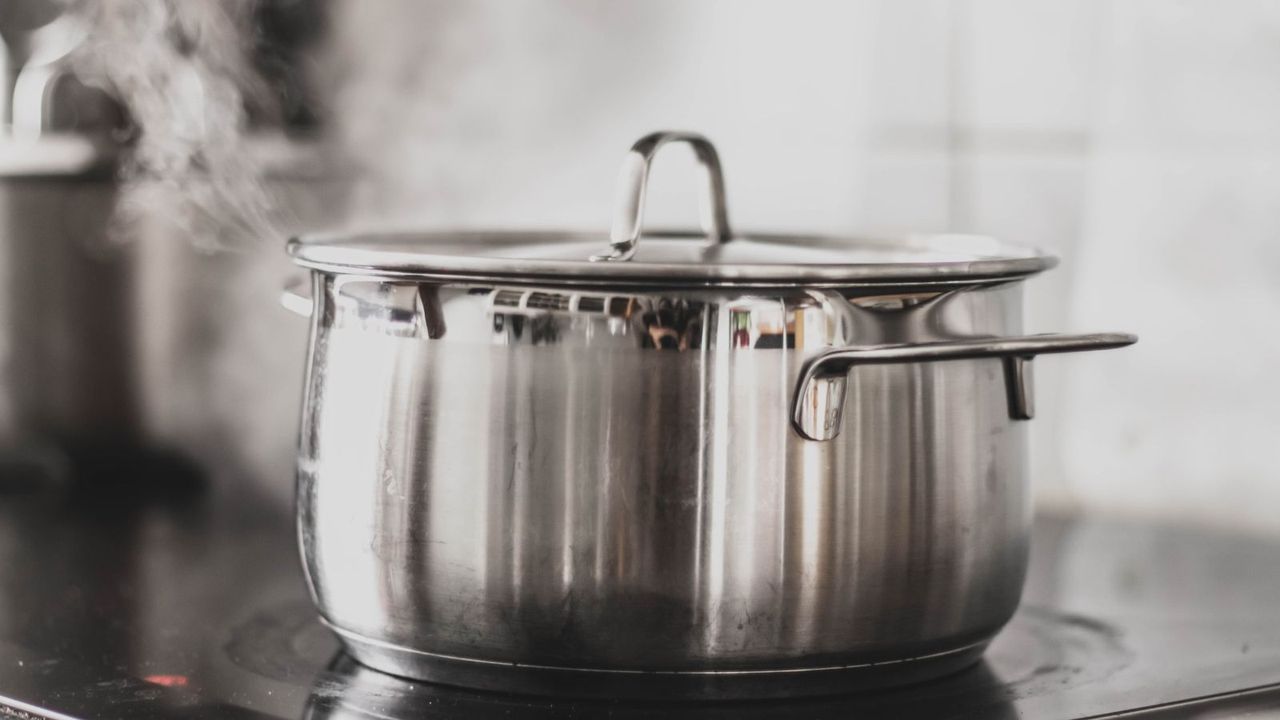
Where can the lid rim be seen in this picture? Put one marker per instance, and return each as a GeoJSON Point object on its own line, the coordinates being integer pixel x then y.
{"type": "Point", "coordinates": [341, 254]}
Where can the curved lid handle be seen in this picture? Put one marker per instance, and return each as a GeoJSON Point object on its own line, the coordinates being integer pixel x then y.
{"type": "Point", "coordinates": [628, 214]}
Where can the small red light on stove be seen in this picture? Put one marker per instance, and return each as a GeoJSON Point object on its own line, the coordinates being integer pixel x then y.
{"type": "Point", "coordinates": [167, 680]}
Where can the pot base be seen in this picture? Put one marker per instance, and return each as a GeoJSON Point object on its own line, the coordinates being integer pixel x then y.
{"type": "Point", "coordinates": [652, 684]}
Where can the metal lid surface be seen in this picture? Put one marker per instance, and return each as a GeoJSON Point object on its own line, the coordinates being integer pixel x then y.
{"type": "Point", "coordinates": [678, 259]}
{"type": "Point", "coordinates": [628, 255]}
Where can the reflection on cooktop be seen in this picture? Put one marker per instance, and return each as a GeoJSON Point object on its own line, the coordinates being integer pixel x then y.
{"type": "Point", "coordinates": [1042, 651]}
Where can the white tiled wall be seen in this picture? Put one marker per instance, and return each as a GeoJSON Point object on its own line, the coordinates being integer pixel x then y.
{"type": "Point", "coordinates": [1180, 232]}
{"type": "Point", "coordinates": [1139, 139]}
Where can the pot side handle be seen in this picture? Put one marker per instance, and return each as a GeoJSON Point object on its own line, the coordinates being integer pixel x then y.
{"type": "Point", "coordinates": [818, 402]}
{"type": "Point", "coordinates": [296, 298]}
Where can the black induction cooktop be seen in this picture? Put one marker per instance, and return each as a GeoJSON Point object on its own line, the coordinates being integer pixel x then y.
{"type": "Point", "coordinates": [141, 601]}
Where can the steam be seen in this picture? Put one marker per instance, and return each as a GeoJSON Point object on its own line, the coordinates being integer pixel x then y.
{"type": "Point", "coordinates": [183, 70]}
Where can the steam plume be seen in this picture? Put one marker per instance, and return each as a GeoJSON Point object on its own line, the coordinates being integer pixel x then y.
{"type": "Point", "coordinates": [183, 70]}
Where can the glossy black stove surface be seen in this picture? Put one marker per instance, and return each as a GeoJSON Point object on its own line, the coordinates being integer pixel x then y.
{"type": "Point", "coordinates": [136, 605]}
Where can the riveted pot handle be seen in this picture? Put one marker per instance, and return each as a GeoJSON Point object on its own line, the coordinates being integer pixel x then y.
{"type": "Point", "coordinates": [628, 217]}
{"type": "Point", "coordinates": [819, 396]}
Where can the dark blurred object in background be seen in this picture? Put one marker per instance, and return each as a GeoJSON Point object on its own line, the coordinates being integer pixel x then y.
{"type": "Point", "coordinates": [68, 380]}
{"type": "Point", "coordinates": [149, 151]}
{"type": "Point", "coordinates": [286, 33]}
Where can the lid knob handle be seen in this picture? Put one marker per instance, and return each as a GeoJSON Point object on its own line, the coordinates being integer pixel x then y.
{"type": "Point", "coordinates": [628, 217]}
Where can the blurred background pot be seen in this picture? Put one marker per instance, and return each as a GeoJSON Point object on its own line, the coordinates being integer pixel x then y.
{"type": "Point", "coordinates": [137, 201]}
{"type": "Point", "coordinates": [68, 374]}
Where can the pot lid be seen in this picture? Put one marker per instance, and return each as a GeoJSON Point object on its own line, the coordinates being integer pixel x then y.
{"type": "Point", "coordinates": [629, 256]}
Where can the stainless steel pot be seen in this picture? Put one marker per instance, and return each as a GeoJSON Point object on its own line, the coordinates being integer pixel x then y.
{"type": "Point", "coordinates": [725, 466]}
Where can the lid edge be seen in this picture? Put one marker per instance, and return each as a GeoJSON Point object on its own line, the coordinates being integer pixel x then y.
{"type": "Point", "coordinates": [317, 251]}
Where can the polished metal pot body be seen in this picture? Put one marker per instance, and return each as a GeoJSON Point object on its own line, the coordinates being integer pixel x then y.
{"type": "Point", "coordinates": [503, 477]}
